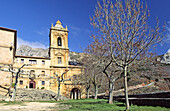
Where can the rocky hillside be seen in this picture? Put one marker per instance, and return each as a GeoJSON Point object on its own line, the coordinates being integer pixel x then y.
{"type": "Point", "coordinates": [39, 52]}
{"type": "Point", "coordinates": [29, 51]}
{"type": "Point", "coordinates": [165, 58]}
{"type": "Point", "coordinates": [75, 57]}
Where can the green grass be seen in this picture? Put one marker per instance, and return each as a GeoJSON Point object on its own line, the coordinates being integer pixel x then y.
{"type": "Point", "coordinates": [12, 103]}
{"type": "Point", "coordinates": [102, 105]}
{"type": "Point", "coordinates": [93, 105]}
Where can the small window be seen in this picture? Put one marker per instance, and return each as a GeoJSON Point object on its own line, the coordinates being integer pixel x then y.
{"type": "Point", "coordinates": [43, 62]}
{"type": "Point", "coordinates": [32, 72]}
{"type": "Point", "coordinates": [59, 60]}
{"type": "Point", "coordinates": [43, 82]}
{"type": "Point", "coordinates": [22, 71]}
{"type": "Point", "coordinates": [21, 82]}
{"type": "Point", "coordinates": [32, 61]}
{"type": "Point", "coordinates": [22, 61]}
{"type": "Point", "coordinates": [74, 77]}
{"type": "Point", "coordinates": [43, 73]}
{"type": "Point", "coordinates": [59, 41]}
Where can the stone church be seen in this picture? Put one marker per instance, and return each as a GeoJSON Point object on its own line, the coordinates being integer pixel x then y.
{"type": "Point", "coordinates": [42, 72]}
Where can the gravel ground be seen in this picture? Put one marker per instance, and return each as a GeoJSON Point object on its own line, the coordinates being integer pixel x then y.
{"type": "Point", "coordinates": [33, 106]}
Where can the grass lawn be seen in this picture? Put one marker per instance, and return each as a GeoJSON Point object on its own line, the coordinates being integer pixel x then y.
{"type": "Point", "coordinates": [102, 105]}
{"type": "Point", "coordinates": [93, 105]}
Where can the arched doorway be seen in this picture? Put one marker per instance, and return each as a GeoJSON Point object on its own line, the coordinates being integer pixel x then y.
{"type": "Point", "coordinates": [32, 84]}
{"type": "Point", "coordinates": [75, 93]}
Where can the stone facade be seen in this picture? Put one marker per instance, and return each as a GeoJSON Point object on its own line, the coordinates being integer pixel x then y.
{"type": "Point", "coordinates": [43, 70]}
{"type": "Point", "coordinates": [7, 51]}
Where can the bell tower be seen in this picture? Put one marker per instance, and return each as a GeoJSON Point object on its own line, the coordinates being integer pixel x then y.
{"type": "Point", "coordinates": [59, 45]}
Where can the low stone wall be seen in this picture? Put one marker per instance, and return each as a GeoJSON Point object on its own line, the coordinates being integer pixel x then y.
{"type": "Point", "coordinates": [24, 94]}
{"type": "Point", "coordinates": [4, 90]}
{"type": "Point", "coordinates": [148, 99]}
{"type": "Point", "coordinates": [3, 98]}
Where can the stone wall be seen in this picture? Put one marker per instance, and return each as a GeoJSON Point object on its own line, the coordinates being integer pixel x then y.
{"type": "Point", "coordinates": [7, 44]}
{"type": "Point", "coordinates": [7, 50]}
{"type": "Point", "coordinates": [24, 94]}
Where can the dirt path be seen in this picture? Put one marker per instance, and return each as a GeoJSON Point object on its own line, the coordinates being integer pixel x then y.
{"type": "Point", "coordinates": [33, 106]}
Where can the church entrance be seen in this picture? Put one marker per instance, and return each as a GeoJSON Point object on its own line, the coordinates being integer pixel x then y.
{"type": "Point", "coordinates": [32, 84]}
{"type": "Point", "coordinates": [75, 93]}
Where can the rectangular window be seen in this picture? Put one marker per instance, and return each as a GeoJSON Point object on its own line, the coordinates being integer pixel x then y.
{"type": "Point", "coordinates": [21, 82]}
{"type": "Point", "coordinates": [43, 82]}
{"type": "Point", "coordinates": [59, 60]}
{"type": "Point", "coordinates": [43, 62]}
{"type": "Point", "coordinates": [22, 61]}
{"type": "Point", "coordinates": [43, 73]}
{"type": "Point", "coordinates": [32, 61]}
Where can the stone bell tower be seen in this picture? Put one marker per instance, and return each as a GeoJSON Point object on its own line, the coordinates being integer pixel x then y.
{"type": "Point", "coordinates": [59, 50]}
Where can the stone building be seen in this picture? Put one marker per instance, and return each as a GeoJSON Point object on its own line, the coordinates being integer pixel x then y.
{"type": "Point", "coordinates": [41, 74]}
{"type": "Point", "coordinates": [7, 55]}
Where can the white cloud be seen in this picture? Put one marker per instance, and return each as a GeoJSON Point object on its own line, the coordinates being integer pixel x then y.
{"type": "Point", "coordinates": [168, 22]}
{"type": "Point", "coordinates": [75, 31]}
{"type": "Point", "coordinates": [168, 33]}
{"type": "Point", "coordinates": [30, 43]}
{"type": "Point", "coordinates": [44, 31]}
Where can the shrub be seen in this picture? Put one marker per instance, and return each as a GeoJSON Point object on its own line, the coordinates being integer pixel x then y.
{"type": "Point", "coordinates": [42, 88]}
{"type": "Point", "coordinates": [13, 84]}
{"type": "Point", "coordinates": [163, 85]}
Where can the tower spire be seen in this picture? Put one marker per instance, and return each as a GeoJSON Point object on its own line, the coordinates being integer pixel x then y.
{"type": "Point", "coordinates": [58, 25]}
{"type": "Point", "coordinates": [66, 27]}
{"type": "Point", "coordinates": [58, 22]}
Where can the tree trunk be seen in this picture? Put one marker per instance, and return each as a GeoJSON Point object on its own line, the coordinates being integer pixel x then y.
{"type": "Point", "coordinates": [96, 91]}
{"type": "Point", "coordinates": [15, 86]}
{"type": "Point", "coordinates": [11, 78]}
{"type": "Point", "coordinates": [88, 92]}
{"type": "Point", "coordinates": [126, 90]}
{"type": "Point", "coordinates": [58, 96]}
{"type": "Point", "coordinates": [111, 86]}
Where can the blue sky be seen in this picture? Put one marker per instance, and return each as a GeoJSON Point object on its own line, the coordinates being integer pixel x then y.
{"type": "Point", "coordinates": [32, 19]}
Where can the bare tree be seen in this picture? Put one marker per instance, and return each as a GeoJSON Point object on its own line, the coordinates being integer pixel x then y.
{"type": "Point", "coordinates": [85, 78]}
{"type": "Point", "coordinates": [18, 72]}
{"type": "Point", "coordinates": [16, 80]}
{"type": "Point", "coordinates": [92, 71]}
{"type": "Point", "coordinates": [100, 63]}
{"type": "Point", "coordinates": [122, 27]}
{"type": "Point", "coordinates": [61, 79]}
{"type": "Point", "coordinates": [103, 65]}
{"type": "Point", "coordinates": [96, 75]}
{"type": "Point", "coordinates": [112, 73]}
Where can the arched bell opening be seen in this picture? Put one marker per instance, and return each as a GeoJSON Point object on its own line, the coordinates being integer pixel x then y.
{"type": "Point", "coordinates": [59, 41]}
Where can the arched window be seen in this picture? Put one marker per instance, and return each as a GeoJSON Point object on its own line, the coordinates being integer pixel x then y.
{"type": "Point", "coordinates": [59, 41]}
{"type": "Point", "coordinates": [32, 72]}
